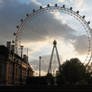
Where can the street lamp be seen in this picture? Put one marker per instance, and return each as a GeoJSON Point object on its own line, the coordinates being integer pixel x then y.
{"type": "Point", "coordinates": [21, 47]}
{"type": "Point", "coordinates": [40, 66]}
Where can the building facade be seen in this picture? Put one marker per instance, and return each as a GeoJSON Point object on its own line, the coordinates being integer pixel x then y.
{"type": "Point", "coordinates": [13, 69]}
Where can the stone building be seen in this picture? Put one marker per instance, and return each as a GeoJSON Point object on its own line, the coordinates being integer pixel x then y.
{"type": "Point", "coordinates": [13, 69]}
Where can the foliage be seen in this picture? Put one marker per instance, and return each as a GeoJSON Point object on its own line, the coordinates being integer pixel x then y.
{"type": "Point", "coordinates": [72, 72]}
{"type": "Point", "coordinates": [50, 78]}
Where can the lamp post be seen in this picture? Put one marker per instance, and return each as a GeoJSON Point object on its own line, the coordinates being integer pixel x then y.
{"type": "Point", "coordinates": [40, 66]}
{"type": "Point", "coordinates": [21, 47]}
{"type": "Point", "coordinates": [13, 64]}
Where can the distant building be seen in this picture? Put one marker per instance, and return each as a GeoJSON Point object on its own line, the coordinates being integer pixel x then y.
{"type": "Point", "coordinates": [13, 69]}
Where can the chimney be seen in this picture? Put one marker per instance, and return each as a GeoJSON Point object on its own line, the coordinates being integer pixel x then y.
{"type": "Point", "coordinates": [25, 58]}
{"type": "Point", "coordinates": [13, 48]}
{"type": "Point", "coordinates": [9, 45]}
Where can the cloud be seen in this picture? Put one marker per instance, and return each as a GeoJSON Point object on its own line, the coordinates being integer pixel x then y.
{"type": "Point", "coordinates": [74, 3]}
{"type": "Point", "coordinates": [39, 29]}
{"type": "Point", "coordinates": [45, 63]}
{"type": "Point", "coordinates": [80, 3]}
{"type": "Point", "coordinates": [77, 3]}
{"type": "Point", "coordinates": [61, 1]}
{"type": "Point", "coordinates": [42, 27]}
{"type": "Point", "coordinates": [36, 2]}
{"type": "Point", "coordinates": [81, 44]}
{"type": "Point", "coordinates": [10, 14]}
{"type": "Point", "coordinates": [1, 1]}
{"type": "Point", "coordinates": [45, 26]}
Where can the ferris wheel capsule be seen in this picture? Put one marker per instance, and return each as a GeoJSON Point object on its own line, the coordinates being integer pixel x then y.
{"type": "Point", "coordinates": [13, 41]}
{"type": "Point", "coordinates": [88, 22]}
{"type": "Point", "coordinates": [17, 26]}
{"type": "Point", "coordinates": [83, 17]}
{"type": "Point", "coordinates": [77, 12]}
{"type": "Point", "coordinates": [56, 5]}
{"type": "Point", "coordinates": [27, 14]}
{"type": "Point", "coordinates": [33, 10]}
{"type": "Point", "coordinates": [48, 5]}
{"type": "Point", "coordinates": [70, 8]}
{"type": "Point", "coordinates": [14, 34]}
{"type": "Point", "coordinates": [63, 6]}
{"type": "Point", "coordinates": [40, 7]}
{"type": "Point", "coordinates": [21, 20]}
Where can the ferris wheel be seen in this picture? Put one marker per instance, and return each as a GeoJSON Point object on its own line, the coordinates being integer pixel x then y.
{"type": "Point", "coordinates": [62, 9]}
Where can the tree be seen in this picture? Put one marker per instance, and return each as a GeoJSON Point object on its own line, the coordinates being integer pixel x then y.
{"type": "Point", "coordinates": [50, 79]}
{"type": "Point", "coordinates": [73, 71]}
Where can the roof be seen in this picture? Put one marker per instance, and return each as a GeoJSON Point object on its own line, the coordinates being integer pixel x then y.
{"type": "Point", "coordinates": [4, 51]}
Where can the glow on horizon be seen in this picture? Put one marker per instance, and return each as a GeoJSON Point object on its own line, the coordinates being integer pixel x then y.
{"type": "Point", "coordinates": [42, 48]}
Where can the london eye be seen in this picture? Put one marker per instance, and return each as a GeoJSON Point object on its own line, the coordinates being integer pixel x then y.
{"type": "Point", "coordinates": [62, 9]}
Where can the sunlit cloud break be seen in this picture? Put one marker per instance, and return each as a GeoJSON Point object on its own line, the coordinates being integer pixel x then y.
{"type": "Point", "coordinates": [61, 0]}
{"type": "Point", "coordinates": [36, 2]}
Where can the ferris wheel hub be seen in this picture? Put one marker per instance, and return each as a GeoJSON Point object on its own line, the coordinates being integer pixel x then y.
{"type": "Point", "coordinates": [54, 42]}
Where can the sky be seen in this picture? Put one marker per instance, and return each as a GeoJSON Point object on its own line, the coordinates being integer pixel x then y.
{"type": "Point", "coordinates": [39, 32]}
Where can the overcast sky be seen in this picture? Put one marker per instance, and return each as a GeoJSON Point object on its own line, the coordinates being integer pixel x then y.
{"type": "Point", "coordinates": [39, 32]}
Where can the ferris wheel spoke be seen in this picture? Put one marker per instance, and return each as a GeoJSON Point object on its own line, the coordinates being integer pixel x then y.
{"type": "Point", "coordinates": [56, 8]}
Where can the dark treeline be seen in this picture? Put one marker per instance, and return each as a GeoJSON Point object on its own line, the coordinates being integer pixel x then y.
{"type": "Point", "coordinates": [71, 72]}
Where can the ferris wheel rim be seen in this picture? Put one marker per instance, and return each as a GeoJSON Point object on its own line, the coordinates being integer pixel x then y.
{"type": "Point", "coordinates": [65, 10]}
